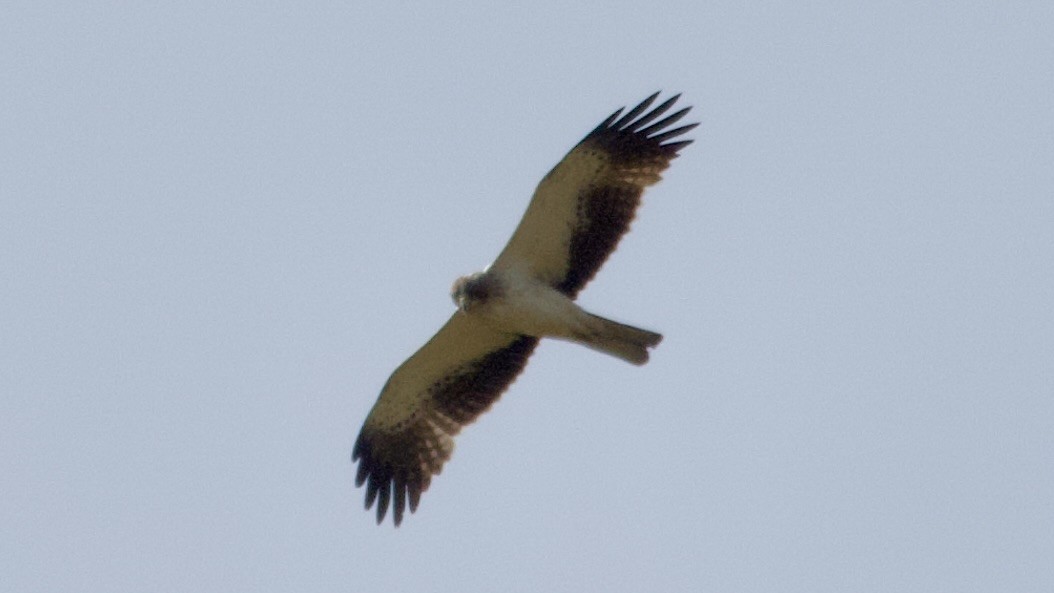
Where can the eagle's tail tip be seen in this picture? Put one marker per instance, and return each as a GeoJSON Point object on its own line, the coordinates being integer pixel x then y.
{"type": "Point", "coordinates": [623, 341]}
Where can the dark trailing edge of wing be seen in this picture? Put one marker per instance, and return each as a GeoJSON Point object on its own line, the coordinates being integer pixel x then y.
{"type": "Point", "coordinates": [398, 466]}
{"type": "Point", "coordinates": [605, 211]}
{"type": "Point", "coordinates": [466, 395]}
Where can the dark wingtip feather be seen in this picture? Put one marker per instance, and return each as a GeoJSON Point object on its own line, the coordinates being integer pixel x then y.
{"type": "Point", "coordinates": [634, 136]}
{"type": "Point", "coordinates": [382, 501]}
{"type": "Point", "coordinates": [632, 113]}
{"type": "Point", "coordinates": [607, 122]}
{"type": "Point", "coordinates": [415, 497]}
{"type": "Point", "coordinates": [661, 109]}
{"type": "Point", "coordinates": [664, 122]}
{"type": "Point", "coordinates": [675, 147]}
{"type": "Point", "coordinates": [371, 491]}
{"type": "Point", "coordinates": [399, 500]}
{"type": "Point", "coordinates": [673, 133]}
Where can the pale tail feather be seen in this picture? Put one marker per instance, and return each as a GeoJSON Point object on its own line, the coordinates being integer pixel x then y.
{"type": "Point", "coordinates": [623, 341]}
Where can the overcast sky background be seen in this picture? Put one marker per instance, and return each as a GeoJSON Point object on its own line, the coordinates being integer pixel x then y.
{"type": "Point", "coordinates": [222, 227]}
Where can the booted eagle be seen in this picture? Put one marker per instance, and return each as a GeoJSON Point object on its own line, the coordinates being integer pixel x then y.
{"type": "Point", "coordinates": [576, 218]}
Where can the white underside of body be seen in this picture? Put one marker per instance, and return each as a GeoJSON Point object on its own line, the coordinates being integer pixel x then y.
{"type": "Point", "coordinates": [532, 308]}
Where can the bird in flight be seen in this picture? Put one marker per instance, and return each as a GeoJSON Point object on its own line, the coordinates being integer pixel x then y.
{"type": "Point", "coordinates": [579, 212]}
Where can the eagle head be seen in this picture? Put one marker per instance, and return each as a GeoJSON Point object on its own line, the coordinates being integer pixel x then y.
{"type": "Point", "coordinates": [473, 290]}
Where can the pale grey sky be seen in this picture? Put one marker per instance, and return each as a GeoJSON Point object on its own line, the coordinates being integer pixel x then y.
{"type": "Point", "coordinates": [222, 227]}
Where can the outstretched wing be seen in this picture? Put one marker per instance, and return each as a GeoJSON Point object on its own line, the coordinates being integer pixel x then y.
{"type": "Point", "coordinates": [445, 385]}
{"type": "Point", "coordinates": [582, 207]}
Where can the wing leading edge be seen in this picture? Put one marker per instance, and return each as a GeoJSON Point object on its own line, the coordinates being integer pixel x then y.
{"type": "Point", "coordinates": [585, 204]}
{"type": "Point", "coordinates": [448, 383]}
